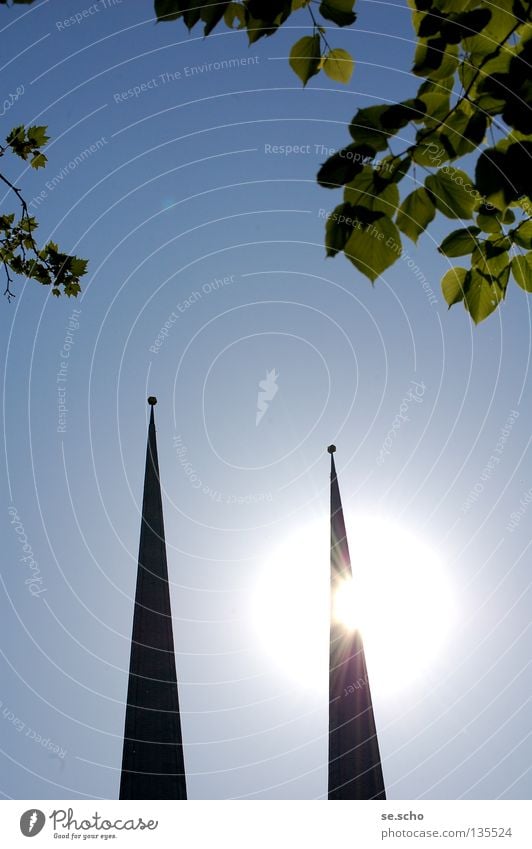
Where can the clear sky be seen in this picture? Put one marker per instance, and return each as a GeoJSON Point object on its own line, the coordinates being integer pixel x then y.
{"type": "Point", "coordinates": [198, 229]}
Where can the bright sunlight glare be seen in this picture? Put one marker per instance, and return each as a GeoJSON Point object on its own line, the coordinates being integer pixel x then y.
{"type": "Point", "coordinates": [400, 598]}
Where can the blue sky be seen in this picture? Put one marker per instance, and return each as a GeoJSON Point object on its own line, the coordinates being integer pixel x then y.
{"type": "Point", "coordinates": [196, 230]}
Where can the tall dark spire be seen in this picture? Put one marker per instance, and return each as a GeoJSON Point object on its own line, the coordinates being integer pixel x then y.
{"type": "Point", "coordinates": [152, 763]}
{"type": "Point", "coordinates": [354, 761]}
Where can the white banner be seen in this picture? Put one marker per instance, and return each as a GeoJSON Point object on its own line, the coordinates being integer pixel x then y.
{"type": "Point", "coordinates": [269, 824]}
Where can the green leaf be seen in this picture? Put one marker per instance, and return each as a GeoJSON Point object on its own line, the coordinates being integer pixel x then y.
{"type": "Point", "coordinates": [481, 297]}
{"type": "Point", "coordinates": [72, 290]}
{"type": "Point", "coordinates": [6, 221]}
{"type": "Point", "coordinates": [396, 117]}
{"type": "Point", "coordinates": [19, 143]}
{"type": "Point", "coordinates": [522, 271]}
{"type": "Point", "coordinates": [491, 180]}
{"type": "Point", "coordinates": [212, 14]}
{"type": "Point", "coordinates": [490, 259]}
{"type": "Point", "coordinates": [460, 242]}
{"type": "Point", "coordinates": [429, 150]}
{"type": "Point", "coordinates": [452, 6]}
{"type": "Point", "coordinates": [374, 246]}
{"type": "Point", "coordinates": [385, 199]}
{"type": "Point", "coordinates": [257, 28]}
{"type": "Point", "coordinates": [368, 189]}
{"type": "Point", "coordinates": [305, 57]}
{"type": "Point", "coordinates": [522, 235]}
{"type": "Point", "coordinates": [342, 167]}
{"type": "Point", "coordinates": [38, 161]}
{"type": "Point", "coordinates": [375, 124]}
{"type": "Point", "coordinates": [502, 20]}
{"type": "Point", "coordinates": [437, 86]}
{"type": "Point", "coordinates": [78, 266]}
{"type": "Point", "coordinates": [429, 25]}
{"type": "Point", "coordinates": [369, 121]}
{"type": "Point", "coordinates": [416, 211]}
{"type": "Point", "coordinates": [264, 17]}
{"type": "Point", "coordinates": [168, 10]}
{"type": "Point", "coordinates": [339, 226]}
{"type": "Point", "coordinates": [436, 104]}
{"type": "Point", "coordinates": [171, 10]}
{"type": "Point", "coordinates": [453, 192]}
{"type": "Point", "coordinates": [37, 136]}
{"type": "Point", "coordinates": [393, 168]}
{"type": "Point", "coordinates": [504, 173]}
{"type": "Point", "coordinates": [338, 11]}
{"type": "Point", "coordinates": [498, 64]}
{"type": "Point", "coordinates": [191, 18]}
{"type": "Point", "coordinates": [488, 221]}
{"type": "Point", "coordinates": [453, 284]}
{"type": "Point", "coordinates": [235, 12]}
{"type": "Point", "coordinates": [271, 12]}
{"type": "Point", "coordinates": [463, 132]}
{"type": "Point", "coordinates": [510, 96]}
{"type": "Point", "coordinates": [339, 65]}
{"type": "Point", "coordinates": [435, 59]}
{"type": "Point", "coordinates": [465, 25]}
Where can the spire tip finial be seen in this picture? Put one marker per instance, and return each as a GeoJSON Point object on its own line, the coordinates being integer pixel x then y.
{"type": "Point", "coordinates": [331, 449]}
{"type": "Point", "coordinates": [152, 400]}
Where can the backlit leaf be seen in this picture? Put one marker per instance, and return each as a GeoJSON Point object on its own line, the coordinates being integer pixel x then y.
{"type": "Point", "coordinates": [339, 226]}
{"type": "Point", "coordinates": [416, 211]}
{"type": "Point", "coordinates": [168, 10]}
{"type": "Point", "coordinates": [305, 57]}
{"type": "Point", "coordinates": [453, 284]}
{"type": "Point", "coordinates": [460, 242]}
{"type": "Point", "coordinates": [338, 11]}
{"type": "Point", "coordinates": [481, 297]}
{"type": "Point", "coordinates": [435, 59]}
{"type": "Point", "coordinates": [212, 14]}
{"type": "Point", "coordinates": [342, 167]}
{"type": "Point", "coordinates": [339, 65]}
{"type": "Point", "coordinates": [522, 271]}
{"type": "Point", "coordinates": [368, 189]}
{"type": "Point", "coordinates": [453, 192]}
{"type": "Point", "coordinates": [235, 12]}
{"type": "Point", "coordinates": [523, 235]}
{"type": "Point", "coordinates": [375, 246]}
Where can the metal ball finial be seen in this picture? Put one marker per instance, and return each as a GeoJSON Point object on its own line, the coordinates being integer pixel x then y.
{"type": "Point", "coordinates": [152, 400]}
{"type": "Point", "coordinates": [331, 449]}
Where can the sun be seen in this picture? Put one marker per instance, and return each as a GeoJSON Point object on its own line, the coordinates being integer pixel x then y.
{"type": "Point", "coordinates": [400, 598]}
{"type": "Point", "coordinates": [347, 605]}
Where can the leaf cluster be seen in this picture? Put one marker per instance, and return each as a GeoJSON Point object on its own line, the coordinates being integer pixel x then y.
{"type": "Point", "coordinates": [474, 58]}
{"type": "Point", "coordinates": [19, 253]}
{"type": "Point", "coordinates": [262, 18]}
{"type": "Point", "coordinates": [474, 100]}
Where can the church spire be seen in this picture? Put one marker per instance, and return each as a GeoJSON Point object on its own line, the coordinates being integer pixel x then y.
{"type": "Point", "coordinates": [152, 764]}
{"type": "Point", "coordinates": [354, 760]}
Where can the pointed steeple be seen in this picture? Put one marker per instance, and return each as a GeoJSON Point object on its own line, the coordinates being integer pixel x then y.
{"type": "Point", "coordinates": [152, 763]}
{"type": "Point", "coordinates": [354, 760]}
